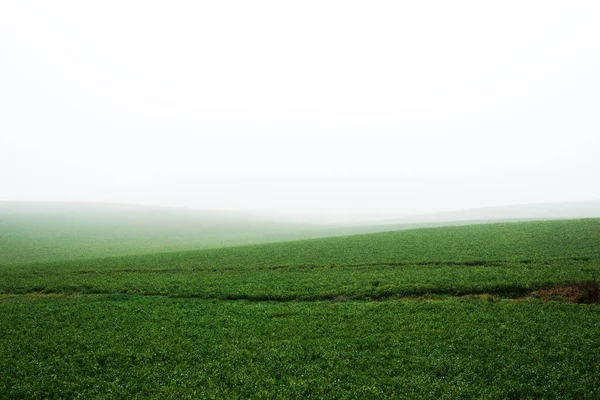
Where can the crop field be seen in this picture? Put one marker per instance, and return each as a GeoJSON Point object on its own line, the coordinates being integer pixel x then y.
{"type": "Point", "coordinates": [480, 311]}
{"type": "Point", "coordinates": [42, 232]}
{"type": "Point", "coordinates": [71, 231]}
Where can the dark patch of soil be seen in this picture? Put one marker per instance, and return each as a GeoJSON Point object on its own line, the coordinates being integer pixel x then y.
{"type": "Point", "coordinates": [582, 292]}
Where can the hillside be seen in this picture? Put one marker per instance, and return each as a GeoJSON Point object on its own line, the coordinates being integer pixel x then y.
{"type": "Point", "coordinates": [501, 258]}
{"type": "Point", "coordinates": [62, 231]}
{"type": "Point", "coordinates": [515, 212]}
{"type": "Point", "coordinates": [474, 311]}
{"type": "Point", "coordinates": [39, 232]}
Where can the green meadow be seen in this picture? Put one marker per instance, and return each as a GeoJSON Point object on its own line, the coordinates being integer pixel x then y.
{"type": "Point", "coordinates": [39, 231]}
{"type": "Point", "coordinates": [47, 231]}
{"type": "Point", "coordinates": [74, 231]}
{"type": "Point", "coordinates": [497, 311]}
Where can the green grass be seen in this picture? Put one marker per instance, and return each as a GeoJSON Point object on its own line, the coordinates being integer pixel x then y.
{"type": "Point", "coordinates": [496, 258]}
{"type": "Point", "coordinates": [41, 232]}
{"type": "Point", "coordinates": [71, 231]}
{"type": "Point", "coordinates": [366, 316]}
{"type": "Point", "coordinates": [153, 347]}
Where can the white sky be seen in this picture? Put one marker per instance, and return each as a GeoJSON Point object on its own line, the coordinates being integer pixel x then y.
{"type": "Point", "coordinates": [321, 107]}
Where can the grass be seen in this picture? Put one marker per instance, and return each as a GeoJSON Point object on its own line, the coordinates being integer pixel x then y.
{"type": "Point", "coordinates": [153, 347]}
{"type": "Point", "coordinates": [307, 319]}
{"type": "Point", "coordinates": [71, 231]}
{"type": "Point", "coordinates": [497, 258]}
{"type": "Point", "coordinates": [43, 232]}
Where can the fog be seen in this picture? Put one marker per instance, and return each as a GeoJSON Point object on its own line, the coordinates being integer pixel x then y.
{"type": "Point", "coordinates": [327, 108]}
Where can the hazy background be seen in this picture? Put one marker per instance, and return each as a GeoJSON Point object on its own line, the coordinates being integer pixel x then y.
{"type": "Point", "coordinates": [317, 107]}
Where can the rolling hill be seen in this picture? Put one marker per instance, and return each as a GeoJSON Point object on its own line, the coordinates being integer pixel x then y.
{"type": "Point", "coordinates": [478, 311]}
{"type": "Point", "coordinates": [38, 231]}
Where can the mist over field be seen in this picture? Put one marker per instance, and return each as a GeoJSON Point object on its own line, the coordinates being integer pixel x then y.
{"type": "Point", "coordinates": [51, 231]}
{"type": "Point", "coordinates": [317, 199]}
{"type": "Point", "coordinates": [330, 110]}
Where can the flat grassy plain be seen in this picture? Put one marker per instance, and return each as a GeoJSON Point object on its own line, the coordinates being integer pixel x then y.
{"type": "Point", "coordinates": [446, 312]}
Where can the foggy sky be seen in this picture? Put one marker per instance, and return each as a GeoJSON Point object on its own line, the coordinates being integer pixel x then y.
{"type": "Point", "coordinates": [321, 107]}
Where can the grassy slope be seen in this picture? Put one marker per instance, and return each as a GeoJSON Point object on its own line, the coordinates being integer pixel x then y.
{"type": "Point", "coordinates": [39, 232]}
{"type": "Point", "coordinates": [70, 231]}
{"type": "Point", "coordinates": [74, 231]}
{"type": "Point", "coordinates": [82, 327]}
{"type": "Point", "coordinates": [568, 210]}
{"type": "Point", "coordinates": [509, 257]}
{"type": "Point", "coordinates": [45, 232]}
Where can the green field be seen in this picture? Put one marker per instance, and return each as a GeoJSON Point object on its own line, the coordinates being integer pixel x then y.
{"type": "Point", "coordinates": [38, 231]}
{"type": "Point", "coordinates": [61, 231]}
{"type": "Point", "coordinates": [46, 231]}
{"type": "Point", "coordinates": [450, 312]}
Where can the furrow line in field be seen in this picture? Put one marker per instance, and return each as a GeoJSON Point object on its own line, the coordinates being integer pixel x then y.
{"type": "Point", "coordinates": [573, 292]}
